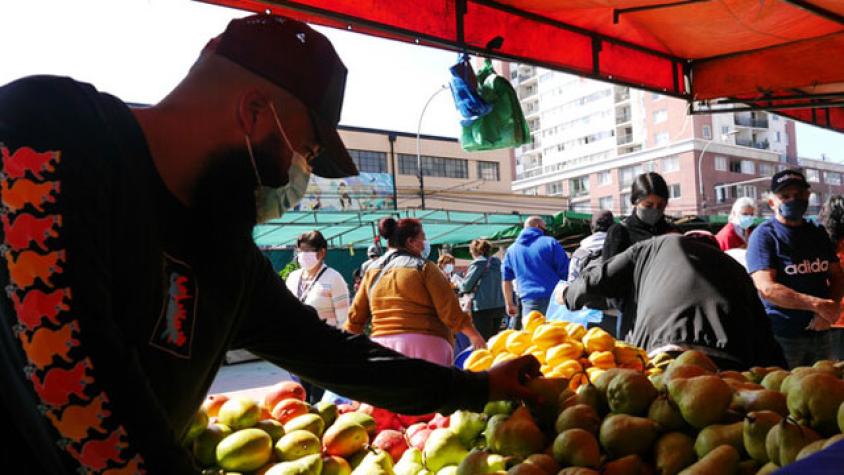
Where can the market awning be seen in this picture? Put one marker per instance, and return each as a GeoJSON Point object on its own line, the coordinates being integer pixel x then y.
{"type": "Point", "coordinates": [785, 55]}
{"type": "Point", "coordinates": [351, 229]}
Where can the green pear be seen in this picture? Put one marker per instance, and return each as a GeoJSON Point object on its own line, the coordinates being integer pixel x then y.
{"type": "Point", "coordinates": [590, 395]}
{"type": "Point", "coordinates": [841, 417]}
{"type": "Point", "coordinates": [410, 462]}
{"type": "Point", "coordinates": [657, 381]}
{"type": "Point", "coordinates": [749, 400]}
{"type": "Point", "coordinates": [307, 465]}
{"type": "Point", "coordinates": [694, 358]}
{"type": "Point", "coordinates": [830, 366]}
{"type": "Point", "coordinates": [506, 408]}
{"type": "Point", "coordinates": [467, 425]}
{"type": "Point", "coordinates": [627, 465]}
{"type": "Point", "coordinates": [365, 420]}
{"type": "Point", "coordinates": [719, 434]}
{"type": "Point", "coordinates": [328, 412]}
{"type": "Point", "coordinates": [786, 439]}
{"type": "Point", "coordinates": [682, 372]}
{"type": "Point", "coordinates": [815, 399]}
{"type": "Point", "coordinates": [205, 444]}
{"type": "Point", "coordinates": [756, 374]}
{"type": "Point", "coordinates": [549, 391]}
{"type": "Point", "coordinates": [578, 416]}
{"type": "Point", "coordinates": [442, 448]}
{"type": "Point", "coordinates": [576, 447]}
{"type": "Point", "coordinates": [603, 380]}
{"type": "Point", "coordinates": [621, 434]}
{"type": "Point", "coordinates": [479, 462]}
{"type": "Point", "coordinates": [567, 398]}
{"type": "Point", "coordinates": [703, 400]}
{"type": "Point", "coordinates": [272, 427]}
{"type": "Point", "coordinates": [526, 469]}
{"type": "Point", "coordinates": [673, 452]}
{"type": "Point", "coordinates": [768, 469]}
{"type": "Point", "coordinates": [312, 423]}
{"type": "Point", "coordinates": [447, 470]}
{"type": "Point", "coordinates": [734, 375]}
{"type": "Point", "coordinates": [773, 380]}
{"type": "Point", "coordinates": [755, 429]}
{"type": "Point", "coordinates": [666, 414]}
{"type": "Point", "coordinates": [334, 465]}
{"type": "Point", "coordinates": [517, 434]}
{"type": "Point", "coordinates": [630, 393]}
{"type": "Point", "coordinates": [198, 424]}
{"type": "Point", "coordinates": [721, 460]}
{"type": "Point", "coordinates": [544, 461]}
{"type": "Point", "coordinates": [374, 462]}
{"type": "Point", "coordinates": [796, 375]}
{"type": "Point", "coordinates": [811, 448]}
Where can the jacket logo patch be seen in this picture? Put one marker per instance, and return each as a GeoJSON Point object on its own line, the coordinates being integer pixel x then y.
{"type": "Point", "coordinates": [174, 331]}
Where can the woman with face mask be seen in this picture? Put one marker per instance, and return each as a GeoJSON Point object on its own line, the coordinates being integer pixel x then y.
{"type": "Point", "coordinates": [649, 197]}
{"type": "Point", "coordinates": [319, 286]}
{"type": "Point", "coordinates": [736, 232]}
{"type": "Point", "coordinates": [408, 300]}
{"type": "Point", "coordinates": [446, 264]}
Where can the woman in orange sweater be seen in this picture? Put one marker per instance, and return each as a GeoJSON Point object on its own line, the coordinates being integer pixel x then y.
{"type": "Point", "coordinates": [409, 301]}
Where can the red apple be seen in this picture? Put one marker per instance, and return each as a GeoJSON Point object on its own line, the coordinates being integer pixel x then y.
{"type": "Point", "coordinates": [419, 438]}
{"type": "Point", "coordinates": [392, 442]}
{"type": "Point", "coordinates": [413, 429]}
{"type": "Point", "coordinates": [213, 403]}
{"type": "Point", "coordinates": [281, 391]}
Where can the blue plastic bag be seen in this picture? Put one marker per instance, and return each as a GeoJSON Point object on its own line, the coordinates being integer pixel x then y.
{"type": "Point", "coordinates": [559, 312]}
{"type": "Point", "coordinates": [464, 90]}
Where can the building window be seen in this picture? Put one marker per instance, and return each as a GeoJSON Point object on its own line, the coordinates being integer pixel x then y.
{"type": "Point", "coordinates": [488, 171]}
{"type": "Point", "coordinates": [722, 193]}
{"type": "Point", "coordinates": [624, 202]}
{"type": "Point", "coordinates": [832, 178]}
{"type": "Point", "coordinates": [748, 167]}
{"type": "Point", "coordinates": [579, 186]}
{"type": "Point", "coordinates": [674, 191]}
{"type": "Point", "coordinates": [779, 138]}
{"type": "Point", "coordinates": [707, 132]}
{"type": "Point", "coordinates": [434, 166]}
{"type": "Point", "coordinates": [721, 164]}
{"type": "Point", "coordinates": [628, 174]}
{"type": "Point", "coordinates": [745, 191]}
{"type": "Point", "coordinates": [531, 191]}
{"type": "Point", "coordinates": [661, 138]}
{"type": "Point", "coordinates": [555, 188]}
{"type": "Point", "coordinates": [813, 175]}
{"type": "Point", "coordinates": [582, 207]}
{"type": "Point", "coordinates": [816, 199]}
{"type": "Point", "coordinates": [725, 129]}
{"type": "Point", "coordinates": [766, 169]}
{"type": "Point", "coordinates": [660, 116]}
{"type": "Point", "coordinates": [605, 203]}
{"type": "Point", "coordinates": [604, 178]}
{"type": "Point", "coordinates": [368, 161]}
{"type": "Point", "coordinates": [735, 166]}
{"type": "Point", "coordinates": [670, 164]}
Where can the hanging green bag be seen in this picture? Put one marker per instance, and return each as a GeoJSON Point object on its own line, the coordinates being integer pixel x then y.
{"type": "Point", "coordinates": [505, 126]}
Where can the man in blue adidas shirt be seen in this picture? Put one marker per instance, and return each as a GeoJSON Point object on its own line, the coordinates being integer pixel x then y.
{"type": "Point", "coordinates": [794, 267]}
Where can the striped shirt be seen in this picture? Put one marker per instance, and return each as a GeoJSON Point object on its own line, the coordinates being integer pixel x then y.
{"type": "Point", "coordinates": [329, 295]}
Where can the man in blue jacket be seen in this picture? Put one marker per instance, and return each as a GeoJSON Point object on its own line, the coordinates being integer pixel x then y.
{"type": "Point", "coordinates": [537, 262]}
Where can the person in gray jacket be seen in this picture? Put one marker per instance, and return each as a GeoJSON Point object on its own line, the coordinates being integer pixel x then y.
{"type": "Point", "coordinates": [483, 278]}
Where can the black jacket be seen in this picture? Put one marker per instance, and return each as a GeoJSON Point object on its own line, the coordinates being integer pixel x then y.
{"type": "Point", "coordinates": [685, 293]}
{"type": "Point", "coordinates": [631, 230]}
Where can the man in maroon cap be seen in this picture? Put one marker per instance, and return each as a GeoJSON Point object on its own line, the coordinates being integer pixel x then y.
{"type": "Point", "coordinates": [129, 267]}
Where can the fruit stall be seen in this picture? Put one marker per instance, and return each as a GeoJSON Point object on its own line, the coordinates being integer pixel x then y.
{"type": "Point", "coordinates": [605, 407]}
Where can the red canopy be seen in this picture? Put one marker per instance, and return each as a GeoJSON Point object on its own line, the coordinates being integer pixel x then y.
{"type": "Point", "coordinates": [785, 55]}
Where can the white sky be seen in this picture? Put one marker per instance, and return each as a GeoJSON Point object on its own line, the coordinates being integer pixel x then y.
{"type": "Point", "coordinates": [139, 49]}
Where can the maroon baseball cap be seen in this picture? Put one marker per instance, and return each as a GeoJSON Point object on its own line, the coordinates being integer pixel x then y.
{"type": "Point", "coordinates": [297, 58]}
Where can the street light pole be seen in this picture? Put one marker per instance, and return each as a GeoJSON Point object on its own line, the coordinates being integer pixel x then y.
{"type": "Point", "coordinates": [700, 161]}
{"type": "Point", "coordinates": [419, 144]}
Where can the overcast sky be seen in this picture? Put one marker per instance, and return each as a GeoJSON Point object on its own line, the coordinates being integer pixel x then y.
{"type": "Point", "coordinates": [139, 49]}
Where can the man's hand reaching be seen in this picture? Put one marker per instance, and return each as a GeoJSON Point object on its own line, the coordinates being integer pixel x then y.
{"type": "Point", "coordinates": [509, 380]}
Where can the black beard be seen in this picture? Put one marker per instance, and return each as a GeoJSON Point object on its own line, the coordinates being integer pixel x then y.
{"type": "Point", "coordinates": [225, 193]}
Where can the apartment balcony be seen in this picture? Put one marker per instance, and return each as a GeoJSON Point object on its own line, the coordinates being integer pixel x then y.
{"type": "Point", "coordinates": [622, 119]}
{"type": "Point", "coordinates": [624, 139]}
{"type": "Point", "coordinates": [622, 94]}
{"type": "Point", "coordinates": [748, 122]}
{"type": "Point", "coordinates": [763, 145]}
{"type": "Point", "coordinates": [532, 172]}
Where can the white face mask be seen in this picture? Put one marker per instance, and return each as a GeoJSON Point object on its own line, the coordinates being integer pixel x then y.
{"type": "Point", "coordinates": [308, 260]}
{"type": "Point", "coordinates": [449, 268]}
{"type": "Point", "coordinates": [272, 202]}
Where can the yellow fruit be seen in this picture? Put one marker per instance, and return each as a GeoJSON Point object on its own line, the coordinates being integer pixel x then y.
{"type": "Point", "coordinates": [627, 354]}
{"type": "Point", "coordinates": [244, 450]}
{"type": "Point", "coordinates": [594, 373]}
{"type": "Point", "coordinates": [502, 357]}
{"type": "Point", "coordinates": [596, 339]}
{"type": "Point", "coordinates": [602, 359]}
{"type": "Point", "coordinates": [479, 360]}
{"type": "Point", "coordinates": [532, 320]}
{"type": "Point", "coordinates": [569, 368]}
{"type": "Point", "coordinates": [545, 369]}
{"type": "Point", "coordinates": [654, 370]}
{"type": "Point", "coordinates": [556, 373]}
{"type": "Point", "coordinates": [562, 352]}
{"type": "Point", "coordinates": [546, 336]}
{"type": "Point", "coordinates": [577, 380]}
{"type": "Point", "coordinates": [518, 342]}
{"type": "Point", "coordinates": [537, 353]}
{"type": "Point", "coordinates": [575, 330]}
{"type": "Point", "coordinates": [497, 342]}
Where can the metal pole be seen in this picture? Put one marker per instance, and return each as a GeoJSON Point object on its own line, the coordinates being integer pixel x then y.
{"type": "Point", "coordinates": [419, 144]}
{"type": "Point", "coordinates": [392, 139]}
{"type": "Point", "coordinates": [700, 176]}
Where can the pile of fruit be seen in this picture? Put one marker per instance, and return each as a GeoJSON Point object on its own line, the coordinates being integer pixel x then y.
{"type": "Point", "coordinates": [604, 408]}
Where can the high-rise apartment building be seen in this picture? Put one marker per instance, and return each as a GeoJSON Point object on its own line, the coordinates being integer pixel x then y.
{"type": "Point", "coordinates": [591, 139]}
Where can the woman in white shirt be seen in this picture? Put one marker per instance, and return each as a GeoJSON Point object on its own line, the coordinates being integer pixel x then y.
{"type": "Point", "coordinates": [319, 286]}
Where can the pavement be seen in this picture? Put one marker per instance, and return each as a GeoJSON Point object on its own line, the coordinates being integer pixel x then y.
{"type": "Point", "coordinates": [247, 379]}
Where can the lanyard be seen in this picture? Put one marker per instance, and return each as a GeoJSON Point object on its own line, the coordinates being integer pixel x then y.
{"type": "Point", "coordinates": [302, 295]}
